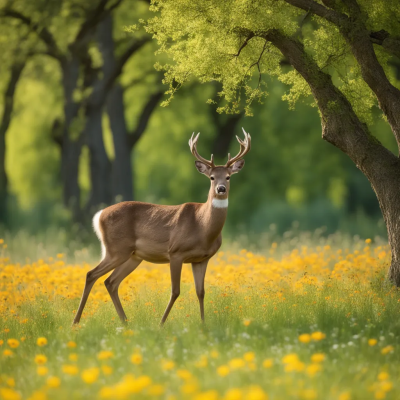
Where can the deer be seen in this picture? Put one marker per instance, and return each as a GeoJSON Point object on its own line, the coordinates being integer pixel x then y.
{"type": "Point", "coordinates": [133, 231]}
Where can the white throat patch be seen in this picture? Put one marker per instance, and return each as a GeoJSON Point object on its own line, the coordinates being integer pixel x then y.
{"type": "Point", "coordinates": [217, 203]}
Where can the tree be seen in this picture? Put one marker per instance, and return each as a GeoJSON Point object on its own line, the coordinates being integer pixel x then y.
{"type": "Point", "coordinates": [339, 51]}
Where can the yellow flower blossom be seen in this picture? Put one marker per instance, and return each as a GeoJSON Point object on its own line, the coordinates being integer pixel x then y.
{"type": "Point", "coordinates": [223, 370]}
{"type": "Point", "coordinates": [53, 382]}
{"type": "Point", "coordinates": [236, 363]}
{"type": "Point", "coordinates": [40, 359]}
{"type": "Point", "coordinates": [13, 343]}
{"type": "Point", "coordinates": [9, 394]}
{"type": "Point", "coordinates": [41, 370]}
{"type": "Point", "coordinates": [70, 369]}
{"type": "Point", "coordinates": [90, 375]}
{"type": "Point", "coordinates": [305, 338]}
{"type": "Point", "coordinates": [318, 336]}
{"type": "Point", "coordinates": [71, 344]}
{"type": "Point", "coordinates": [372, 342]}
{"type": "Point", "coordinates": [249, 356]}
{"type": "Point", "coordinates": [167, 365]}
{"type": "Point", "coordinates": [387, 350]}
{"type": "Point", "coordinates": [105, 355]}
{"type": "Point", "coordinates": [106, 369]}
{"type": "Point", "coordinates": [268, 363]}
{"type": "Point", "coordinates": [234, 394]}
{"type": "Point", "coordinates": [41, 341]}
{"type": "Point", "coordinates": [136, 358]}
{"type": "Point", "coordinates": [318, 357]}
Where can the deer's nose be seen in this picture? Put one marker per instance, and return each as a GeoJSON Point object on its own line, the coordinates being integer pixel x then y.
{"type": "Point", "coordinates": [221, 189]}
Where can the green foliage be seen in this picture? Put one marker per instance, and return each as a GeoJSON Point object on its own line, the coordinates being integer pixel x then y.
{"type": "Point", "coordinates": [204, 39]}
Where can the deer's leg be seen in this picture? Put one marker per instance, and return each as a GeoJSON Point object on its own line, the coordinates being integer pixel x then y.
{"type": "Point", "coordinates": [175, 269]}
{"type": "Point", "coordinates": [107, 265]}
{"type": "Point", "coordinates": [199, 273]}
{"type": "Point", "coordinates": [114, 280]}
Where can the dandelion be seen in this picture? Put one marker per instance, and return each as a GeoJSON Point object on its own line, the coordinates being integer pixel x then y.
{"type": "Point", "coordinates": [318, 357]}
{"type": "Point", "coordinates": [105, 355]}
{"type": "Point", "coordinates": [167, 365]}
{"type": "Point", "coordinates": [106, 369]}
{"type": "Point", "coordinates": [41, 341]}
{"type": "Point", "coordinates": [383, 376]}
{"type": "Point", "coordinates": [70, 369]}
{"type": "Point", "coordinates": [53, 382]}
{"type": "Point", "coordinates": [368, 241]}
{"type": "Point", "coordinates": [256, 393]}
{"type": "Point", "coordinates": [41, 370]}
{"type": "Point", "coordinates": [223, 370]}
{"type": "Point", "coordinates": [236, 363]}
{"type": "Point", "coordinates": [184, 374]}
{"type": "Point", "coordinates": [40, 359]}
{"type": "Point", "coordinates": [90, 375]}
{"type": "Point", "coordinates": [71, 344]}
{"type": "Point", "coordinates": [305, 338]}
{"type": "Point", "coordinates": [268, 363]}
{"type": "Point", "coordinates": [13, 343]}
{"type": "Point", "coordinates": [372, 342]}
{"type": "Point", "coordinates": [318, 336]}
{"type": "Point", "coordinates": [9, 394]}
{"type": "Point", "coordinates": [234, 394]}
{"type": "Point", "coordinates": [249, 356]}
{"type": "Point", "coordinates": [387, 350]}
{"type": "Point", "coordinates": [136, 359]}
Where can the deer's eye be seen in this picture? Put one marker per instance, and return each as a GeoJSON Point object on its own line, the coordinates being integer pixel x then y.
{"type": "Point", "coordinates": [228, 177]}
{"type": "Point", "coordinates": [212, 178]}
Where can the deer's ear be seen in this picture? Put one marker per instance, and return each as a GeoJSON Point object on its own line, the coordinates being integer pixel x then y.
{"type": "Point", "coordinates": [202, 168]}
{"type": "Point", "coordinates": [237, 166]}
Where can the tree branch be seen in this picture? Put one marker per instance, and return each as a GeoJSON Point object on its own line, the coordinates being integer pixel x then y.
{"type": "Point", "coordinates": [141, 126]}
{"type": "Point", "coordinates": [43, 33]}
{"type": "Point", "coordinates": [340, 124]}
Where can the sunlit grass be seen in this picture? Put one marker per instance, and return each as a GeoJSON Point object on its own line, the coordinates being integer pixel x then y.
{"type": "Point", "coordinates": [313, 323]}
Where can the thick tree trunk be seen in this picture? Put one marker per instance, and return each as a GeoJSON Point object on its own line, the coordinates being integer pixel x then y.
{"type": "Point", "coordinates": [100, 166]}
{"type": "Point", "coordinates": [122, 179]}
{"type": "Point", "coordinates": [225, 133]}
{"type": "Point", "coordinates": [71, 143]}
{"type": "Point", "coordinates": [16, 70]}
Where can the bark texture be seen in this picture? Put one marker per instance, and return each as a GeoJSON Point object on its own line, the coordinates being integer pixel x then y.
{"type": "Point", "coordinates": [8, 101]}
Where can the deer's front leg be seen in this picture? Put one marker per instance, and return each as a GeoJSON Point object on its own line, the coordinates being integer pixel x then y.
{"type": "Point", "coordinates": [199, 273]}
{"type": "Point", "coordinates": [175, 269]}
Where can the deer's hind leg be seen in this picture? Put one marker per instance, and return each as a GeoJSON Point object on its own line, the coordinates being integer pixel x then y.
{"type": "Point", "coordinates": [114, 280]}
{"type": "Point", "coordinates": [105, 266]}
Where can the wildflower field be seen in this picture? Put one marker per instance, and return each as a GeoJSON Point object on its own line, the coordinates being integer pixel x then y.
{"type": "Point", "coordinates": [313, 322]}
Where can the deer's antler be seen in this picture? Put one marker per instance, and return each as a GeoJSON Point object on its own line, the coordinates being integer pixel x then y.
{"type": "Point", "coordinates": [245, 146]}
{"type": "Point", "coordinates": [193, 149]}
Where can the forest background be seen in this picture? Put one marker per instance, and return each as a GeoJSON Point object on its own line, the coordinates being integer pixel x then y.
{"type": "Point", "coordinates": [83, 125]}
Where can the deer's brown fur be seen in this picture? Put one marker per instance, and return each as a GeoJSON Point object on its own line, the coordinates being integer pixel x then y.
{"type": "Point", "coordinates": [189, 233]}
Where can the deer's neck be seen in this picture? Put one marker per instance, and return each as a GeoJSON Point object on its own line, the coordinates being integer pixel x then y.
{"type": "Point", "coordinates": [214, 215]}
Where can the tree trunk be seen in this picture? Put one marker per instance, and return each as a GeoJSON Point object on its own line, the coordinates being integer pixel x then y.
{"type": "Point", "coordinates": [100, 193]}
{"type": "Point", "coordinates": [122, 180]}
{"type": "Point", "coordinates": [16, 70]}
{"type": "Point", "coordinates": [225, 133]}
{"type": "Point", "coordinates": [71, 143]}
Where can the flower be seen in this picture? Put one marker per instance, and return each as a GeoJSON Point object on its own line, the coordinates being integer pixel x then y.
{"type": "Point", "coordinates": [73, 357]}
{"type": "Point", "coordinates": [318, 336]}
{"type": "Point", "coordinates": [71, 344]}
{"type": "Point", "coordinates": [313, 369]}
{"type": "Point", "coordinates": [167, 365]}
{"type": "Point", "coordinates": [90, 375]}
{"type": "Point", "coordinates": [223, 370]}
{"type": "Point", "coordinates": [234, 394]}
{"type": "Point", "coordinates": [249, 356]}
{"type": "Point", "coordinates": [7, 353]}
{"type": "Point", "coordinates": [383, 376]}
{"type": "Point", "coordinates": [246, 322]}
{"type": "Point", "coordinates": [256, 393]}
{"type": "Point", "coordinates": [1, 342]}
{"type": "Point", "coordinates": [372, 342]}
{"type": "Point", "coordinates": [236, 363]}
{"type": "Point", "coordinates": [13, 343]}
{"type": "Point", "coordinates": [105, 355]}
{"type": "Point", "coordinates": [53, 382]}
{"type": "Point", "coordinates": [70, 369]}
{"type": "Point", "coordinates": [305, 338]}
{"type": "Point", "coordinates": [344, 396]}
{"type": "Point", "coordinates": [184, 374]}
{"type": "Point", "coordinates": [387, 349]}
{"type": "Point", "coordinates": [368, 241]}
{"type": "Point", "coordinates": [318, 357]}
{"type": "Point", "coordinates": [9, 394]}
{"type": "Point", "coordinates": [41, 341]}
{"type": "Point", "coordinates": [106, 369]}
{"type": "Point", "coordinates": [268, 363]}
{"type": "Point", "coordinates": [136, 358]}
{"type": "Point", "coordinates": [41, 370]}
{"type": "Point", "coordinates": [40, 359]}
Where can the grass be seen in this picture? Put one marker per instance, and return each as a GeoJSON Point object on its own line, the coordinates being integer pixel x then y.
{"type": "Point", "coordinates": [291, 322]}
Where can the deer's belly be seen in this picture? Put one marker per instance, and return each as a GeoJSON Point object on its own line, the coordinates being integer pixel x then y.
{"type": "Point", "coordinates": [152, 251]}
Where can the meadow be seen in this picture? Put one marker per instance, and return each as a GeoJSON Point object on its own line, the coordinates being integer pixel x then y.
{"type": "Point", "coordinates": [297, 320]}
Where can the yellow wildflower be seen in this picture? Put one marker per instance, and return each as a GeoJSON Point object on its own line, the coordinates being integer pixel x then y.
{"type": "Point", "coordinates": [7, 353]}
{"type": "Point", "coordinates": [249, 356]}
{"type": "Point", "coordinates": [53, 382]}
{"type": "Point", "coordinates": [318, 336]}
{"type": "Point", "coordinates": [223, 370]}
{"type": "Point", "coordinates": [234, 394]}
{"type": "Point", "coordinates": [236, 363]}
{"type": "Point", "coordinates": [106, 369]}
{"type": "Point", "coordinates": [105, 355]}
{"type": "Point", "coordinates": [387, 349]}
{"type": "Point", "coordinates": [256, 393]}
{"type": "Point", "coordinates": [305, 338]}
{"type": "Point", "coordinates": [71, 344]}
{"type": "Point", "coordinates": [318, 357]}
{"type": "Point", "coordinates": [136, 359]}
{"type": "Point", "coordinates": [372, 342]}
{"type": "Point", "coordinates": [9, 394]}
{"type": "Point", "coordinates": [41, 341]}
{"type": "Point", "coordinates": [40, 359]}
{"type": "Point", "coordinates": [70, 369]}
{"type": "Point", "coordinates": [41, 370]}
{"type": "Point", "coordinates": [167, 365]}
{"type": "Point", "coordinates": [90, 375]}
{"type": "Point", "coordinates": [13, 343]}
{"type": "Point", "coordinates": [184, 374]}
{"type": "Point", "coordinates": [268, 363]}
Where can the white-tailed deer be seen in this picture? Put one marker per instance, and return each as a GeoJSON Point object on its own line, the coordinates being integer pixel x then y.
{"type": "Point", "coordinates": [132, 231]}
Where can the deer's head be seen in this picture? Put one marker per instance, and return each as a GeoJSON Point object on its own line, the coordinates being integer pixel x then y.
{"type": "Point", "coordinates": [220, 175]}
